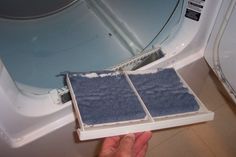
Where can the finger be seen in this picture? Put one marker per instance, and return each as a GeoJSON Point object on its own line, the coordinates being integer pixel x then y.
{"type": "Point", "coordinates": [141, 141]}
{"type": "Point", "coordinates": [143, 151]}
{"type": "Point", "coordinates": [111, 142]}
{"type": "Point", "coordinates": [126, 145]}
{"type": "Point", "coordinates": [109, 146]}
{"type": "Point", "coordinates": [138, 134]}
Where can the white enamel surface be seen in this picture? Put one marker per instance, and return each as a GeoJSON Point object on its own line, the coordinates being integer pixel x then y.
{"type": "Point", "coordinates": [220, 50]}
{"type": "Point", "coordinates": [227, 51]}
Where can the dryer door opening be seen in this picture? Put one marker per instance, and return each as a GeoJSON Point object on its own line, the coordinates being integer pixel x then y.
{"type": "Point", "coordinates": [88, 35]}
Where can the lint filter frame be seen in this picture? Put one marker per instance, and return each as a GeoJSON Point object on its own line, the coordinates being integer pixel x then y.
{"type": "Point", "coordinates": [147, 123]}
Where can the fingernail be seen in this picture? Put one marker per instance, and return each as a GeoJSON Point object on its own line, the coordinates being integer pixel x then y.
{"type": "Point", "coordinates": [131, 136]}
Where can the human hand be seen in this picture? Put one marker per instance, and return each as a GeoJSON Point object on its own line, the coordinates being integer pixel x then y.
{"type": "Point", "coordinates": [131, 145]}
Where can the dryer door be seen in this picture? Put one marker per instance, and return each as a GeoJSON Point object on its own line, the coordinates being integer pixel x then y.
{"type": "Point", "coordinates": [221, 50]}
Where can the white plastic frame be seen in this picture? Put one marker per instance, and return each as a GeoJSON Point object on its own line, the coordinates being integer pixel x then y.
{"type": "Point", "coordinates": [86, 132]}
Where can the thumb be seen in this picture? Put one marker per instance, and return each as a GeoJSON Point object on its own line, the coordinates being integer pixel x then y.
{"type": "Point", "coordinates": [126, 145]}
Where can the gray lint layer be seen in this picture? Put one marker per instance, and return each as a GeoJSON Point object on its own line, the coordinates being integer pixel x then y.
{"type": "Point", "coordinates": [105, 99]}
{"type": "Point", "coordinates": [163, 93]}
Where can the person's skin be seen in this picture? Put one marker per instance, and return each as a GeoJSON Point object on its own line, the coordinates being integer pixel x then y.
{"type": "Point", "coordinates": [131, 145]}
